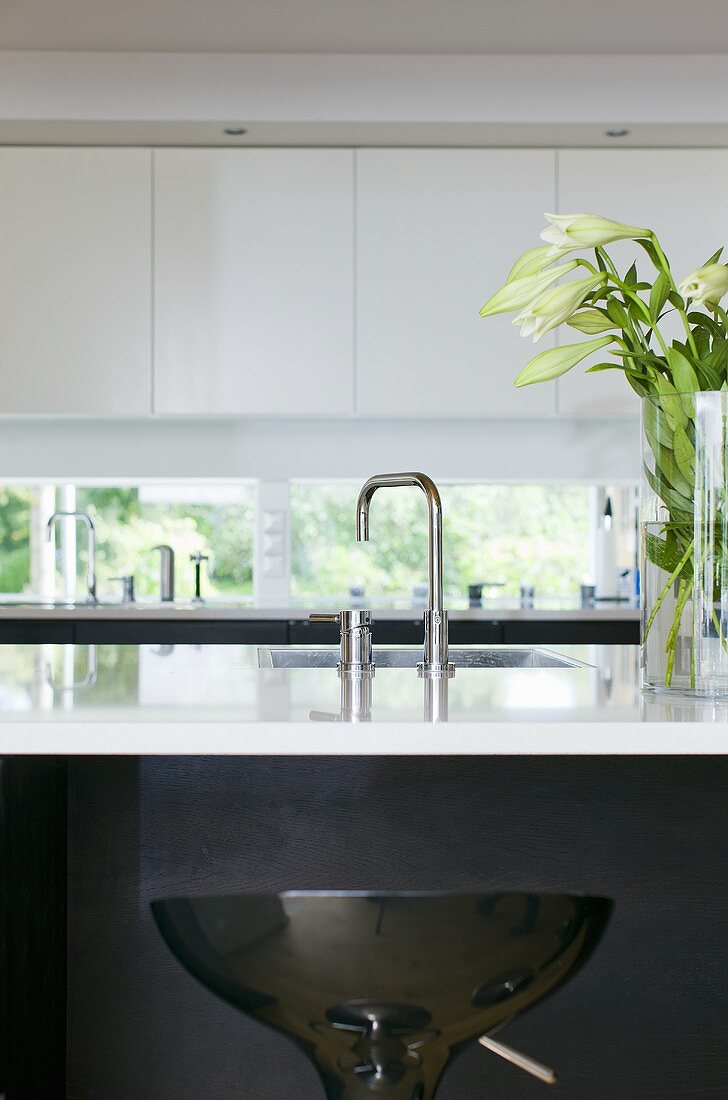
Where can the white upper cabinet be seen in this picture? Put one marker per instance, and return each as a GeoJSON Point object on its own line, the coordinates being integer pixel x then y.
{"type": "Point", "coordinates": [75, 281]}
{"type": "Point", "coordinates": [438, 231]}
{"type": "Point", "coordinates": [680, 193]}
{"type": "Point", "coordinates": [254, 281]}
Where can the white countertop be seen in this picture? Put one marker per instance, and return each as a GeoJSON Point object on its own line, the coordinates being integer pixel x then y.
{"type": "Point", "coordinates": [490, 611]}
{"type": "Point", "coordinates": [210, 700]}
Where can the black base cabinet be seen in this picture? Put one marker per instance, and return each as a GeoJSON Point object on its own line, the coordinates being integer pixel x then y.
{"type": "Point", "coordinates": [645, 1018]}
{"type": "Point", "coordinates": [301, 632]}
{"type": "Point", "coordinates": [33, 950]}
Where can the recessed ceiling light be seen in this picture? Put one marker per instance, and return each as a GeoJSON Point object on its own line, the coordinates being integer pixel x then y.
{"type": "Point", "coordinates": [616, 133]}
{"type": "Point", "coordinates": [235, 131]}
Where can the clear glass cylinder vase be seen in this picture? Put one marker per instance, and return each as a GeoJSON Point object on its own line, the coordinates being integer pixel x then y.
{"type": "Point", "coordinates": [684, 510]}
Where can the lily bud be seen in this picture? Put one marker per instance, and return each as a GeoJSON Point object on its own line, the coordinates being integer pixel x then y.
{"type": "Point", "coordinates": [571, 231]}
{"type": "Point", "coordinates": [557, 361]}
{"type": "Point", "coordinates": [520, 292]}
{"type": "Point", "coordinates": [555, 306]}
{"type": "Point", "coordinates": [706, 284]}
{"type": "Point", "coordinates": [531, 262]}
{"type": "Point", "coordinates": [591, 322]}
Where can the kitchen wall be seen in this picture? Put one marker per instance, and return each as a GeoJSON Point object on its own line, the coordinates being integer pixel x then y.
{"type": "Point", "coordinates": [577, 434]}
{"type": "Point", "coordinates": [546, 449]}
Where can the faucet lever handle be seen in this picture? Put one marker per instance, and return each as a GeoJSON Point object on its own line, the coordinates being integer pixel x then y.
{"type": "Point", "coordinates": [355, 644]}
{"type": "Point", "coordinates": [522, 1061]}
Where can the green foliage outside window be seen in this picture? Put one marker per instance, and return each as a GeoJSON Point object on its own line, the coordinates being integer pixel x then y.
{"type": "Point", "coordinates": [514, 534]}
{"type": "Point", "coordinates": [15, 510]}
{"type": "Point", "coordinates": [128, 528]}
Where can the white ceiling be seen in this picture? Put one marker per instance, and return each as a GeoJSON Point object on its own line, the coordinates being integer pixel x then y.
{"type": "Point", "coordinates": [368, 26]}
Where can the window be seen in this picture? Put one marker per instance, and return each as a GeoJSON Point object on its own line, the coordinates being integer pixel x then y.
{"type": "Point", "coordinates": [130, 520]}
{"type": "Point", "coordinates": [493, 534]}
{"type": "Point", "coordinates": [215, 519]}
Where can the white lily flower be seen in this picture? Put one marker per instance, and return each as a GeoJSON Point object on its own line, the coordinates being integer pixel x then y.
{"type": "Point", "coordinates": [591, 322]}
{"type": "Point", "coordinates": [520, 292]}
{"type": "Point", "coordinates": [555, 306]}
{"type": "Point", "coordinates": [705, 284]}
{"type": "Point", "coordinates": [554, 362]}
{"type": "Point", "coordinates": [531, 262]}
{"type": "Point", "coordinates": [571, 231]}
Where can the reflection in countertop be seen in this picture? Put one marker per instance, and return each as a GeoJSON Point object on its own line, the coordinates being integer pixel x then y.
{"type": "Point", "coordinates": [215, 699]}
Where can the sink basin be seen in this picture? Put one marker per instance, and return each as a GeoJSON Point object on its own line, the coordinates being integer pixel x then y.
{"type": "Point", "coordinates": [382, 990]}
{"type": "Point", "coordinates": [409, 657]}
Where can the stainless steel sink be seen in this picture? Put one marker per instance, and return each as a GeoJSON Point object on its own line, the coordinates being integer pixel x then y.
{"type": "Point", "coordinates": [411, 656]}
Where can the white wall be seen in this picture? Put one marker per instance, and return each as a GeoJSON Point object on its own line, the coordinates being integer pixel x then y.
{"type": "Point", "coordinates": [508, 450]}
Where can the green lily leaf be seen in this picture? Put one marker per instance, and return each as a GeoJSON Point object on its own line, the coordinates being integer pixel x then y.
{"type": "Point", "coordinates": [681, 508]}
{"type": "Point", "coordinates": [718, 358]}
{"type": "Point", "coordinates": [664, 553]}
{"type": "Point", "coordinates": [684, 456]}
{"type": "Point", "coordinates": [650, 250]}
{"type": "Point", "coordinates": [658, 295]}
{"type": "Point", "coordinates": [704, 320]}
{"type": "Point", "coordinates": [678, 407]}
{"type": "Point", "coordinates": [638, 309]}
{"type": "Point", "coordinates": [639, 387]}
{"type": "Point", "coordinates": [617, 313]}
{"type": "Point", "coordinates": [708, 372]}
{"type": "Point", "coordinates": [684, 377]}
{"type": "Point", "coordinates": [714, 258]}
{"type": "Point", "coordinates": [657, 427]}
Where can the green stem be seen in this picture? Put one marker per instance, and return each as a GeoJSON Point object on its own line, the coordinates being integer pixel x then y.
{"type": "Point", "coordinates": [634, 330]}
{"type": "Point", "coordinates": [663, 595]}
{"type": "Point", "coordinates": [671, 644]}
{"type": "Point", "coordinates": [583, 262]}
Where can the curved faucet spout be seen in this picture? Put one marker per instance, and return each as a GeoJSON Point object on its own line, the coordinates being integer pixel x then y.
{"type": "Point", "coordinates": [436, 643]}
{"type": "Point", "coordinates": [434, 504]}
{"type": "Point", "coordinates": [85, 518]}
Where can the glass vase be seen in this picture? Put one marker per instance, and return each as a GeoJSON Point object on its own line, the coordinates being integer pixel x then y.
{"type": "Point", "coordinates": [684, 511]}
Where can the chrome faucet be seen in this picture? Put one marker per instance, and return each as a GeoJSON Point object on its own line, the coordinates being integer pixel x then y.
{"type": "Point", "coordinates": [166, 574]}
{"type": "Point", "coordinates": [91, 564]}
{"type": "Point", "coordinates": [435, 662]}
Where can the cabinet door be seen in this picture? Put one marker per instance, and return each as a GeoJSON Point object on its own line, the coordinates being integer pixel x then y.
{"type": "Point", "coordinates": [254, 281]}
{"type": "Point", "coordinates": [75, 281]}
{"type": "Point", "coordinates": [680, 193]}
{"type": "Point", "coordinates": [438, 231]}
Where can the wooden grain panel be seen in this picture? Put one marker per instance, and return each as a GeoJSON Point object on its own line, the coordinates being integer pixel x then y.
{"type": "Point", "coordinates": [32, 928]}
{"type": "Point", "coordinates": [646, 1018]}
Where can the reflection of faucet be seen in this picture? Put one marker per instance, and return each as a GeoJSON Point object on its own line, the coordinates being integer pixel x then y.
{"type": "Point", "coordinates": [436, 699]}
{"type": "Point", "coordinates": [356, 701]}
{"type": "Point", "coordinates": [92, 672]}
{"type": "Point", "coordinates": [435, 661]}
{"type": "Point", "coordinates": [166, 574]}
{"type": "Point", "coordinates": [91, 568]}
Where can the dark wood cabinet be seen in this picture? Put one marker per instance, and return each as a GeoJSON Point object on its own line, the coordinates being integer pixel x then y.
{"type": "Point", "coordinates": [651, 833]}
{"type": "Point", "coordinates": [463, 632]}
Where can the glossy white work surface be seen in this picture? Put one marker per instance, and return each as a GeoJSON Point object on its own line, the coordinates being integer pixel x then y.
{"type": "Point", "coordinates": [492, 610]}
{"type": "Point", "coordinates": [215, 700]}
